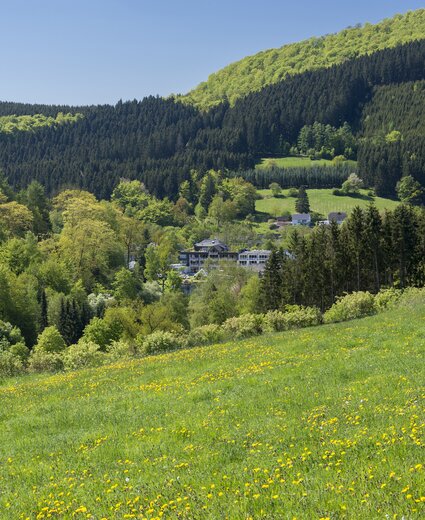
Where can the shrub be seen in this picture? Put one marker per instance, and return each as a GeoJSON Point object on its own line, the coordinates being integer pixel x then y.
{"type": "Point", "coordinates": [205, 335]}
{"type": "Point", "coordinates": [386, 298]}
{"type": "Point", "coordinates": [10, 364]}
{"type": "Point", "coordinates": [243, 326]}
{"type": "Point", "coordinates": [293, 192]}
{"type": "Point", "coordinates": [42, 361]}
{"type": "Point", "coordinates": [85, 354]}
{"type": "Point", "coordinates": [120, 350]}
{"type": "Point", "coordinates": [50, 340]}
{"type": "Point", "coordinates": [20, 350]}
{"type": "Point", "coordinates": [293, 317]}
{"type": "Point", "coordinates": [337, 192]}
{"type": "Point", "coordinates": [160, 341]}
{"type": "Point", "coordinates": [351, 306]}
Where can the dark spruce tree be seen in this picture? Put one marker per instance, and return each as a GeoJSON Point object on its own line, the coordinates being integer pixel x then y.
{"type": "Point", "coordinates": [302, 204]}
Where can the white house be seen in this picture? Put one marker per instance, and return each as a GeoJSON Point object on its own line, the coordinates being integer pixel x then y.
{"type": "Point", "coordinates": [256, 257]}
{"type": "Point", "coordinates": [301, 219]}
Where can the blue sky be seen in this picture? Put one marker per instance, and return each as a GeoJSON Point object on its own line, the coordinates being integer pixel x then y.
{"type": "Point", "coordinates": [99, 51]}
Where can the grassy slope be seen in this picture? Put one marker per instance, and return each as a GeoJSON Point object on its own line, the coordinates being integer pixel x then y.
{"type": "Point", "coordinates": [321, 422]}
{"type": "Point", "coordinates": [291, 162]}
{"type": "Point", "coordinates": [321, 201]}
{"type": "Point", "coordinates": [271, 66]}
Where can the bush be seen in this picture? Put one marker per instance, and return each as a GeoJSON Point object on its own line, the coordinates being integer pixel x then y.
{"type": "Point", "coordinates": [42, 361]}
{"type": "Point", "coordinates": [160, 341]}
{"type": "Point", "coordinates": [50, 340]}
{"type": "Point", "coordinates": [205, 335]}
{"type": "Point", "coordinates": [293, 192]}
{"type": "Point", "coordinates": [85, 354]}
{"type": "Point", "coordinates": [10, 364]}
{"type": "Point", "coordinates": [120, 350]}
{"type": "Point", "coordinates": [337, 192]}
{"type": "Point", "coordinates": [20, 350]}
{"type": "Point", "coordinates": [386, 298]}
{"type": "Point", "coordinates": [293, 317]}
{"type": "Point", "coordinates": [351, 306]}
{"type": "Point", "coordinates": [243, 326]}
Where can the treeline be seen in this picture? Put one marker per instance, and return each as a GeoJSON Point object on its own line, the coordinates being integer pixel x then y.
{"type": "Point", "coordinates": [158, 141]}
{"type": "Point", "coordinates": [366, 253]}
{"type": "Point", "coordinates": [319, 176]}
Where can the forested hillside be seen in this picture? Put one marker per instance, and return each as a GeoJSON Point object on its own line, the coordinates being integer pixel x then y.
{"type": "Point", "coordinates": [368, 108]}
{"type": "Point", "coordinates": [272, 66]}
{"type": "Point", "coordinates": [393, 126]}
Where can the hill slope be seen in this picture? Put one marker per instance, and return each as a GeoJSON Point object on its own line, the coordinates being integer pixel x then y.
{"type": "Point", "coordinates": [272, 66]}
{"type": "Point", "coordinates": [322, 422]}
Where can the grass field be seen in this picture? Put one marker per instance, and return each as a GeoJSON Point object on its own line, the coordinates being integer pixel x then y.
{"type": "Point", "coordinates": [293, 162]}
{"type": "Point", "coordinates": [325, 422]}
{"type": "Point", "coordinates": [321, 201]}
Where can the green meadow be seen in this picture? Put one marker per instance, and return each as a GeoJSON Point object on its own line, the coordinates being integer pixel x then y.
{"type": "Point", "coordinates": [324, 422]}
{"type": "Point", "coordinates": [321, 201]}
{"type": "Point", "coordinates": [292, 162]}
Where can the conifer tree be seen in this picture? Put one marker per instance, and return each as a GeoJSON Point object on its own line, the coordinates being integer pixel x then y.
{"type": "Point", "coordinates": [302, 204]}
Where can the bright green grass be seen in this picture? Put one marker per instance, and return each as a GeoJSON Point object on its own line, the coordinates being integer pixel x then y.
{"type": "Point", "coordinates": [292, 162]}
{"type": "Point", "coordinates": [321, 201]}
{"type": "Point", "coordinates": [321, 422]}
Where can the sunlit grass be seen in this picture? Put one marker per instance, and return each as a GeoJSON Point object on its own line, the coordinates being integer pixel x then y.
{"type": "Point", "coordinates": [325, 422]}
{"type": "Point", "coordinates": [321, 201]}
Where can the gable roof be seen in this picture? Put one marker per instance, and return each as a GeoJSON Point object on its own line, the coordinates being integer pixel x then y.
{"type": "Point", "coordinates": [301, 216]}
{"type": "Point", "coordinates": [337, 215]}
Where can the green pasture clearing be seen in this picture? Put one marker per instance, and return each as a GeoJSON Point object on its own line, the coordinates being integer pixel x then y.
{"type": "Point", "coordinates": [321, 201]}
{"type": "Point", "coordinates": [294, 162]}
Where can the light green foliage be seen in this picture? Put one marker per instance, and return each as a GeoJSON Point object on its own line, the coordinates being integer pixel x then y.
{"type": "Point", "coordinates": [271, 66]}
{"type": "Point", "coordinates": [85, 354]}
{"type": "Point", "coordinates": [42, 361]}
{"type": "Point", "coordinates": [222, 210]}
{"type": "Point", "coordinates": [293, 317]}
{"type": "Point", "coordinates": [15, 219]}
{"type": "Point", "coordinates": [19, 253]}
{"type": "Point", "coordinates": [321, 141]}
{"type": "Point", "coordinates": [352, 185]}
{"type": "Point", "coordinates": [393, 137]}
{"type": "Point", "coordinates": [120, 350]}
{"type": "Point", "coordinates": [160, 341]}
{"type": "Point", "coordinates": [158, 316]}
{"type": "Point", "coordinates": [249, 298]}
{"type": "Point", "coordinates": [117, 323]}
{"type": "Point", "coordinates": [410, 190]}
{"type": "Point", "coordinates": [351, 306]}
{"type": "Point", "coordinates": [205, 335]}
{"type": "Point", "coordinates": [215, 300]}
{"type": "Point", "coordinates": [270, 425]}
{"type": "Point", "coordinates": [50, 340]}
{"type": "Point", "coordinates": [125, 285]}
{"type": "Point", "coordinates": [13, 124]}
{"type": "Point", "coordinates": [292, 162]}
{"type": "Point", "coordinates": [242, 193]}
{"type": "Point", "coordinates": [243, 326]}
{"type": "Point", "coordinates": [10, 364]}
{"type": "Point", "coordinates": [387, 298]}
{"type": "Point", "coordinates": [275, 189]}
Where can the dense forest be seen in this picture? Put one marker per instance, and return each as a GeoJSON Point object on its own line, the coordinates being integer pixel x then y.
{"type": "Point", "coordinates": [369, 107]}
{"type": "Point", "coordinates": [253, 73]}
